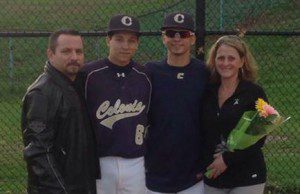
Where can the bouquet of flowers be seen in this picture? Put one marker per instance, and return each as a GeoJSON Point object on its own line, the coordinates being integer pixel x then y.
{"type": "Point", "coordinates": [252, 126]}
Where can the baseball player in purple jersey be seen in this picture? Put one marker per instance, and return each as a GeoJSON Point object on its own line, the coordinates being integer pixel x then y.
{"type": "Point", "coordinates": [118, 94]}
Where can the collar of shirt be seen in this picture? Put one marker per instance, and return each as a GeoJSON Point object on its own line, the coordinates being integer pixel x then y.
{"type": "Point", "coordinates": [118, 68]}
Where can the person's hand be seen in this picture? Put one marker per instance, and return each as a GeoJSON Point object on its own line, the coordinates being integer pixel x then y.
{"type": "Point", "coordinates": [217, 167]}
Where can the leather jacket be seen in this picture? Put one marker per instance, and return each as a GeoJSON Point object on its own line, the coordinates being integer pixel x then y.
{"type": "Point", "coordinates": [60, 149]}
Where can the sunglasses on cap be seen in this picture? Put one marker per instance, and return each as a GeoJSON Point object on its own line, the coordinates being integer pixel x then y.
{"type": "Point", "coordinates": [178, 33]}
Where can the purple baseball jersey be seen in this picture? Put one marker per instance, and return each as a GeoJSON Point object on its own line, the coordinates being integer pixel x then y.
{"type": "Point", "coordinates": [118, 102]}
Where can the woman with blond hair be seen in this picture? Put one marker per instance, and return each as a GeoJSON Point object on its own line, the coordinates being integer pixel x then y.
{"type": "Point", "coordinates": [232, 92]}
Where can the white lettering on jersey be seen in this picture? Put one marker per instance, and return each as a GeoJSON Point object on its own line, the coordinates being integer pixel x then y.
{"type": "Point", "coordinates": [180, 75]}
{"type": "Point", "coordinates": [118, 111]}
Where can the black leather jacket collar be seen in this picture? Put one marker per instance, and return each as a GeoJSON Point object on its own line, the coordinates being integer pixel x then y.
{"type": "Point", "coordinates": [58, 77]}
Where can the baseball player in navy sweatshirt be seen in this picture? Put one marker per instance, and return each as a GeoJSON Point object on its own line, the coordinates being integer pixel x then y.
{"type": "Point", "coordinates": [118, 95]}
{"type": "Point", "coordinates": [174, 158]}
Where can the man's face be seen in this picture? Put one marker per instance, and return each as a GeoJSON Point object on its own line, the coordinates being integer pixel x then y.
{"type": "Point", "coordinates": [122, 47]}
{"type": "Point", "coordinates": [68, 57]}
{"type": "Point", "coordinates": [178, 42]}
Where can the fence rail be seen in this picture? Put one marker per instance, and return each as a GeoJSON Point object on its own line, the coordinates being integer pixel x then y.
{"type": "Point", "coordinates": [155, 33]}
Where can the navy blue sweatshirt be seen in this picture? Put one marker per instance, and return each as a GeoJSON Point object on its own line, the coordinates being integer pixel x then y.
{"type": "Point", "coordinates": [174, 157]}
{"type": "Point", "coordinates": [118, 102]}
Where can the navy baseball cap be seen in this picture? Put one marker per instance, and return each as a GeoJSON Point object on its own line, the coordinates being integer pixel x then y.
{"type": "Point", "coordinates": [123, 23]}
{"type": "Point", "coordinates": [179, 20]}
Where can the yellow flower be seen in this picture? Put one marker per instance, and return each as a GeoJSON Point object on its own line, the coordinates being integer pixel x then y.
{"type": "Point", "coordinates": [259, 105]}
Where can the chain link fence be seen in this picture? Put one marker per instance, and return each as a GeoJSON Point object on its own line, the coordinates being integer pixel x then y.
{"type": "Point", "coordinates": [270, 27]}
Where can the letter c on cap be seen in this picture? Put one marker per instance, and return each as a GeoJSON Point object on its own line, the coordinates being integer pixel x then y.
{"type": "Point", "coordinates": [126, 20]}
{"type": "Point", "coordinates": [179, 18]}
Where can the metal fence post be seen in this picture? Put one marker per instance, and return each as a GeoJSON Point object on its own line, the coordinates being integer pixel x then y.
{"type": "Point", "coordinates": [11, 63]}
{"type": "Point", "coordinates": [200, 28]}
{"type": "Point", "coordinates": [221, 15]}
{"type": "Point", "coordinates": [97, 48]}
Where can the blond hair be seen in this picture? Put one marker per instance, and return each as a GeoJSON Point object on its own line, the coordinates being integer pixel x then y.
{"type": "Point", "coordinates": [249, 69]}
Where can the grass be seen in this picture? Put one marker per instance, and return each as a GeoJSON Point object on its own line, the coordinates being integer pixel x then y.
{"type": "Point", "coordinates": [253, 15]}
{"type": "Point", "coordinates": [12, 167]}
{"type": "Point", "coordinates": [277, 57]}
{"type": "Point", "coordinates": [282, 162]}
{"type": "Point", "coordinates": [81, 15]}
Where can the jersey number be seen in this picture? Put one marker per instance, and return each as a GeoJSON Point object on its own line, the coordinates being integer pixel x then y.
{"type": "Point", "coordinates": [139, 134]}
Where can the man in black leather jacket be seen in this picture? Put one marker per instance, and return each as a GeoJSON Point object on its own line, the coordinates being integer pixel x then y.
{"type": "Point", "coordinates": [59, 142]}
